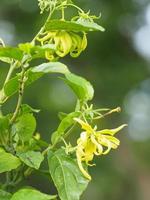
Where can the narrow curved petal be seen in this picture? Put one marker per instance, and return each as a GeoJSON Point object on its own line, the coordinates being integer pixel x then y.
{"type": "Point", "coordinates": [108, 149]}
{"type": "Point", "coordinates": [84, 172]}
{"type": "Point", "coordinates": [111, 131]}
{"type": "Point", "coordinates": [99, 146]}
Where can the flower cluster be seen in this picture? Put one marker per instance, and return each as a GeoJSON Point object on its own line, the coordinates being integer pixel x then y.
{"type": "Point", "coordinates": [93, 142]}
{"type": "Point", "coordinates": [47, 5]}
{"type": "Point", "coordinates": [64, 42]}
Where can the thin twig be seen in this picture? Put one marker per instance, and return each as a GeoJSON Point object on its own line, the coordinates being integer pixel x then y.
{"type": "Point", "coordinates": [20, 97]}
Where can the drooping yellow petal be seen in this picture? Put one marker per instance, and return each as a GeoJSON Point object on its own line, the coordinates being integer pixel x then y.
{"type": "Point", "coordinates": [98, 146]}
{"type": "Point", "coordinates": [47, 36]}
{"type": "Point", "coordinates": [76, 45]}
{"type": "Point", "coordinates": [84, 172]}
{"type": "Point", "coordinates": [49, 56]}
{"type": "Point", "coordinates": [108, 148]}
{"type": "Point", "coordinates": [84, 42]}
{"type": "Point", "coordinates": [63, 43]}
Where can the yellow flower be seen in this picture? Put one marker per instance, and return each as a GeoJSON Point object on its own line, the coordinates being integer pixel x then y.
{"type": "Point", "coordinates": [92, 142]}
{"type": "Point", "coordinates": [65, 43]}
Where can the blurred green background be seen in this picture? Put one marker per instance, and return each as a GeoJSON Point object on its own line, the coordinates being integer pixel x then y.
{"type": "Point", "coordinates": [117, 62]}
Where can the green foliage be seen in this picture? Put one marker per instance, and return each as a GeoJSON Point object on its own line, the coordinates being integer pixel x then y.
{"type": "Point", "coordinates": [5, 195]}
{"type": "Point", "coordinates": [8, 161]}
{"type": "Point", "coordinates": [63, 127]}
{"type": "Point", "coordinates": [76, 26]}
{"type": "Point", "coordinates": [66, 175]}
{"type": "Point", "coordinates": [81, 87]}
{"type": "Point", "coordinates": [52, 67]}
{"type": "Point", "coordinates": [11, 53]}
{"type": "Point", "coordinates": [24, 127]}
{"type": "Point", "coordinates": [36, 52]}
{"type": "Point", "coordinates": [25, 108]}
{"type": "Point", "coordinates": [31, 158]}
{"type": "Point", "coordinates": [26, 194]}
{"type": "Point", "coordinates": [12, 86]}
{"type": "Point", "coordinates": [4, 126]}
{"type": "Point", "coordinates": [32, 74]}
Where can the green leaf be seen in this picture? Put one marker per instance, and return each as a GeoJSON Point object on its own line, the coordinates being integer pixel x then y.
{"type": "Point", "coordinates": [8, 161]}
{"type": "Point", "coordinates": [77, 26]}
{"type": "Point", "coordinates": [25, 47]}
{"type": "Point", "coordinates": [81, 87]}
{"type": "Point", "coordinates": [4, 126]}
{"type": "Point", "coordinates": [31, 194]}
{"type": "Point", "coordinates": [25, 108]}
{"type": "Point", "coordinates": [62, 115]}
{"type": "Point", "coordinates": [11, 52]}
{"type": "Point", "coordinates": [24, 127]}
{"type": "Point", "coordinates": [5, 195]}
{"type": "Point", "coordinates": [63, 126]}
{"type": "Point", "coordinates": [12, 86]}
{"type": "Point", "coordinates": [6, 60]}
{"type": "Point", "coordinates": [36, 51]}
{"type": "Point", "coordinates": [32, 159]}
{"type": "Point", "coordinates": [42, 143]}
{"type": "Point", "coordinates": [66, 175]}
{"type": "Point", "coordinates": [52, 67]}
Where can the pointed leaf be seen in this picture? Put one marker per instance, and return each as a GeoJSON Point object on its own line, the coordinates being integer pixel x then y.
{"type": "Point", "coordinates": [77, 26]}
{"type": "Point", "coordinates": [31, 158]}
{"type": "Point", "coordinates": [66, 175]}
{"type": "Point", "coordinates": [24, 127]}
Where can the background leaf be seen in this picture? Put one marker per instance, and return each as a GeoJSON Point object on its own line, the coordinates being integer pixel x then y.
{"type": "Point", "coordinates": [31, 158]}
{"type": "Point", "coordinates": [66, 175]}
{"type": "Point", "coordinates": [5, 195]}
{"type": "Point", "coordinates": [81, 87]}
{"type": "Point", "coordinates": [4, 126]}
{"type": "Point", "coordinates": [31, 194]}
{"type": "Point", "coordinates": [8, 161]}
{"type": "Point", "coordinates": [24, 127]}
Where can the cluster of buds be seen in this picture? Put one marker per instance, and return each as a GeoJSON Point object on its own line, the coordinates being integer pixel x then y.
{"type": "Point", "coordinates": [64, 42]}
{"type": "Point", "coordinates": [46, 5]}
